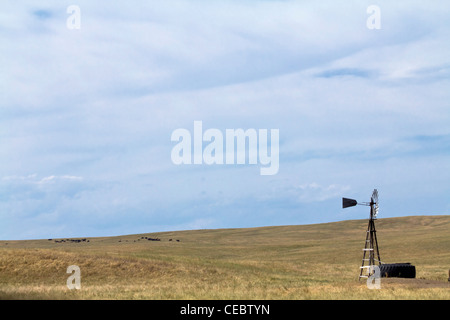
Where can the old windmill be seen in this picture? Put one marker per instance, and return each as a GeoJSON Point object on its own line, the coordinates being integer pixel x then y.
{"type": "Point", "coordinates": [371, 253]}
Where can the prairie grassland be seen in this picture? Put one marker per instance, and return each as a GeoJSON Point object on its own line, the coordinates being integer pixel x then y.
{"type": "Point", "coordinates": [285, 262]}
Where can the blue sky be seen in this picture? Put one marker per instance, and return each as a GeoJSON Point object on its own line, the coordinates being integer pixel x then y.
{"type": "Point", "coordinates": [86, 116]}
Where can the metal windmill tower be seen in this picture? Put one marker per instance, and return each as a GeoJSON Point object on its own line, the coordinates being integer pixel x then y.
{"type": "Point", "coordinates": [371, 254]}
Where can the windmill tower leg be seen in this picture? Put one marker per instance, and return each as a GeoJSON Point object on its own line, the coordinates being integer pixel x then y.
{"type": "Point", "coordinates": [367, 255]}
{"type": "Point", "coordinates": [376, 245]}
{"type": "Point", "coordinates": [370, 251]}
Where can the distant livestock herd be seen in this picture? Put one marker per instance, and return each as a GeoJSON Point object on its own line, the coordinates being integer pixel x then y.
{"type": "Point", "coordinates": [87, 240]}
{"type": "Point", "coordinates": [70, 240]}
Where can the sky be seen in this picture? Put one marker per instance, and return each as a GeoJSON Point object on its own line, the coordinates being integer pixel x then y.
{"type": "Point", "coordinates": [89, 100]}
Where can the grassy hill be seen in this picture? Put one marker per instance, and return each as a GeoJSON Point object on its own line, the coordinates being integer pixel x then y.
{"type": "Point", "coordinates": [319, 261]}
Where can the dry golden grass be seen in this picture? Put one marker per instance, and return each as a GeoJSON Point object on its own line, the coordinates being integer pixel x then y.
{"type": "Point", "coordinates": [286, 262]}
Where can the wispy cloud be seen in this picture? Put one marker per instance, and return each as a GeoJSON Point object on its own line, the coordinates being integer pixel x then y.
{"type": "Point", "coordinates": [42, 14]}
{"type": "Point", "coordinates": [345, 72]}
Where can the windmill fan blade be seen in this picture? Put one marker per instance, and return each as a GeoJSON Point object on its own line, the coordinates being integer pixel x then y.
{"type": "Point", "coordinates": [374, 201]}
{"type": "Point", "coordinates": [348, 202]}
{"type": "Point", "coordinates": [374, 197]}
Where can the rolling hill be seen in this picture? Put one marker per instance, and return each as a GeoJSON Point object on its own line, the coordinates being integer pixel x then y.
{"type": "Point", "coordinates": [319, 261]}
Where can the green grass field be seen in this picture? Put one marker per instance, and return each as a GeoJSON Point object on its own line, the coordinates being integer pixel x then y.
{"type": "Point", "coordinates": [318, 261]}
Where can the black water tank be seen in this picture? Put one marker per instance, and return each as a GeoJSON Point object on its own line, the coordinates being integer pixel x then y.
{"type": "Point", "coordinates": [398, 270]}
